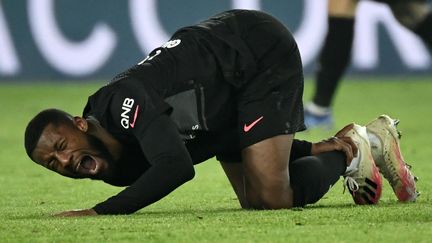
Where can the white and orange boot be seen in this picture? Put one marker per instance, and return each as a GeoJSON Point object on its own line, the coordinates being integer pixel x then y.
{"type": "Point", "coordinates": [362, 177]}
{"type": "Point", "coordinates": [384, 139]}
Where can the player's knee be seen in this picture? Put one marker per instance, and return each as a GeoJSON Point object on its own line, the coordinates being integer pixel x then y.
{"type": "Point", "coordinates": [273, 192]}
{"type": "Point", "coordinates": [252, 205]}
{"type": "Point", "coordinates": [409, 13]}
{"type": "Point", "coordinates": [276, 198]}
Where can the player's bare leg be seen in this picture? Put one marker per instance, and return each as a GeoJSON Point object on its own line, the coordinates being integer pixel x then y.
{"type": "Point", "coordinates": [268, 180]}
{"type": "Point", "coordinates": [236, 176]}
{"type": "Point", "coordinates": [342, 8]}
{"type": "Point", "coordinates": [267, 172]}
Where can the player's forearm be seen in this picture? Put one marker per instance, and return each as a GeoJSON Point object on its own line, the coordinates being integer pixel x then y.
{"type": "Point", "coordinates": [161, 179]}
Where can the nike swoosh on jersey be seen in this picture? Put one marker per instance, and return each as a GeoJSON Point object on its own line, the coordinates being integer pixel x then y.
{"type": "Point", "coordinates": [132, 124]}
{"type": "Point", "coordinates": [247, 128]}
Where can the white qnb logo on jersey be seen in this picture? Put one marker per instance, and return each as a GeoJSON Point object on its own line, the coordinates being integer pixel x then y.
{"type": "Point", "coordinates": [169, 44]}
{"type": "Point", "coordinates": [172, 43]}
{"type": "Point", "coordinates": [126, 108]}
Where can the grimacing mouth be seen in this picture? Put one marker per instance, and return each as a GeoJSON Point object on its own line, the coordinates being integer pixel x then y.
{"type": "Point", "coordinates": [88, 163]}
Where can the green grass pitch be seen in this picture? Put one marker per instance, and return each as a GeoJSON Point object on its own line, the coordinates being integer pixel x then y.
{"type": "Point", "coordinates": [205, 209]}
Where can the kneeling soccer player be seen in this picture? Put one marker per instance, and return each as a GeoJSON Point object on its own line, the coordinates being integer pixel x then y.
{"type": "Point", "coordinates": [231, 87]}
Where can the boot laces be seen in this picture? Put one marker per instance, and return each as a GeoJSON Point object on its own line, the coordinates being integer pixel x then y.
{"type": "Point", "coordinates": [351, 183]}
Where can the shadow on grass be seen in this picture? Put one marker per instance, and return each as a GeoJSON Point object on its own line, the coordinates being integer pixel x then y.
{"type": "Point", "coordinates": [222, 211]}
{"type": "Point", "coordinates": [167, 213]}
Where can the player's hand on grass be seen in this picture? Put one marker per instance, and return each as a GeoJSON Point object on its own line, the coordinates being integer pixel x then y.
{"type": "Point", "coordinates": [339, 143]}
{"type": "Point", "coordinates": [76, 213]}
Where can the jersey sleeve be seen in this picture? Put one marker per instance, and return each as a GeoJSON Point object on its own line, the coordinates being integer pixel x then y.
{"type": "Point", "coordinates": [171, 164]}
{"type": "Point", "coordinates": [133, 106]}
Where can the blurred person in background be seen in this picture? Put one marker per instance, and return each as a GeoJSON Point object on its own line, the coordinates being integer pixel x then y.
{"type": "Point", "coordinates": [335, 54]}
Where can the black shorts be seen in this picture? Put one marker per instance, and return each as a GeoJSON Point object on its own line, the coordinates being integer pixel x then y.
{"type": "Point", "coordinates": [269, 103]}
{"type": "Point", "coordinates": [225, 146]}
{"type": "Point", "coordinates": [269, 96]}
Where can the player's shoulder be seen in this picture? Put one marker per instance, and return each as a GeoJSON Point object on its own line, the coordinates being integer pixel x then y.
{"type": "Point", "coordinates": [114, 103]}
{"type": "Point", "coordinates": [129, 88]}
{"type": "Point", "coordinates": [105, 96]}
{"type": "Point", "coordinates": [124, 93]}
{"type": "Point", "coordinates": [134, 102]}
{"type": "Point", "coordinates": [97, 104]}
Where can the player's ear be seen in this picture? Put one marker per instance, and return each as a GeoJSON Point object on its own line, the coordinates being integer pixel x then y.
{"type": "Point", "coordinates": [81, 123]}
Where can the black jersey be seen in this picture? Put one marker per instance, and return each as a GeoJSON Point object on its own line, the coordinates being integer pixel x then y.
{"type": "Point", "coordinates": [192, 78]}
{"type": "Point", "coordinates": [194, 87]}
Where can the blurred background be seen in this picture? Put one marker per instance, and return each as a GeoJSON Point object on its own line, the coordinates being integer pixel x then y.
{"type": "Point", "coordinates": [56, 40]}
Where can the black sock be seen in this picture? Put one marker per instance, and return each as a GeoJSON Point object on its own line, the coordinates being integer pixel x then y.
{"type": "Point", "coordinates": [334, 58]}
{"type": "Point", "coordinates": [424, 30]}
{"type": "Point", "coordinates": [312, 176]}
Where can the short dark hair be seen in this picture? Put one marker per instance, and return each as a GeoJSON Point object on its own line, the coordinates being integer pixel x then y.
{"type": "Point", "coordinates": [36, 126]}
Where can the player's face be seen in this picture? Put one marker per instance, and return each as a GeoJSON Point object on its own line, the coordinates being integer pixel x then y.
{"type": "Point", "coordinates": [71, 152]}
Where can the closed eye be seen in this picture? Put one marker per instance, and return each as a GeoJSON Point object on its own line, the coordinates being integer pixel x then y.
{"type": "Point", "coordinates": [63, 145]}
{"type": "Point", "coordinates": [50, 164]}
{"type": "Point", "coordinates": [60, 146]}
